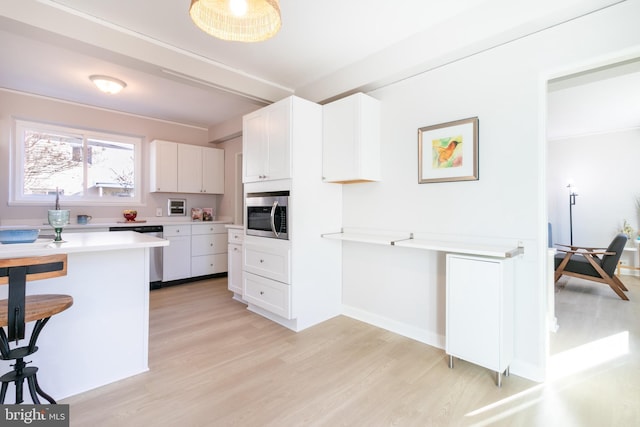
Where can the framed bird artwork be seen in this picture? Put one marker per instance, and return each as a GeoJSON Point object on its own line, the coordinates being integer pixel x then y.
{"type": "Point", "coordinates": [448, 151]}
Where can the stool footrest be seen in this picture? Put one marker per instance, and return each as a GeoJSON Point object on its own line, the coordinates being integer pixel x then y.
{"type": "Point", "coordinates": [20, 352]}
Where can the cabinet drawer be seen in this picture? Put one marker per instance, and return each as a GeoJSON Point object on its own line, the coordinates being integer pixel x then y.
{"type": "Point", "coordinates": [236, 236]}
{"type": "Point", "coordinates": [208, 229]}
{"type": "Point", "coordinates": [208, 244]}
{"type": "Point", "coordinates": [176, 230]}
{"type": "Point", "coordinates": [208, 264]}
{"type": "Point", "coordinates": [267, 261]}
{"type": "Point", "coordinates": [268, 294]}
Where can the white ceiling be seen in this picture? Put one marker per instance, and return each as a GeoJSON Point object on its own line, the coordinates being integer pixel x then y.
{"type": "Point", "coordinates": [176, 72]}
{"type": "Point", "coordinates": [600, 100]}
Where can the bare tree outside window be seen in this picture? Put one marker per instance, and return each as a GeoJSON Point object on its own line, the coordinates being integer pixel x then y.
{"type": "Point", "coordinates": [47, 156]}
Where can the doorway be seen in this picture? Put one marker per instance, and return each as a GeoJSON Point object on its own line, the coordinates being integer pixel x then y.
{"type": "Point", "coordinates": [593, 143]}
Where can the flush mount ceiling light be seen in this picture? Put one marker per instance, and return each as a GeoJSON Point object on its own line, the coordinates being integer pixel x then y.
{"type": "Point", "coordinates": [108, 84]}
{"type": "Point", "coordinates": [237, 20]}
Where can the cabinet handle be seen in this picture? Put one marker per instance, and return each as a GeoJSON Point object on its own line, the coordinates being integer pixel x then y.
{"type": "Point", "coordinates": [261, 261]}
{"type": "Point", "coordinates": [211, 244]}
{"type": "Point", "coordinates": [261, 292]}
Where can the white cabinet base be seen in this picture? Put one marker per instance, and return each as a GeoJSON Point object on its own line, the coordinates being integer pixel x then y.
{"type": "Point", "coordinates": [480, 314]}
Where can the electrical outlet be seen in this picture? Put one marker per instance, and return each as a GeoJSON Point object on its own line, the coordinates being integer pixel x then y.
{"type": "Point", "coordinates": [158, 211]}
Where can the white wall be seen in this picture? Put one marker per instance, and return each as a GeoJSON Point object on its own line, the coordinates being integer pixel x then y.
{"type": "Point", "coordinates": [403, 290]}
{"type": "Point", "coordinates": [228, 203]}
{"type": "Point", "coordinates": [604, 168]}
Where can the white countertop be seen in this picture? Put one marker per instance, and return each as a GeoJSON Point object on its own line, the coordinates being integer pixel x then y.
{"type": "Point", "coordinates": [235, 226]}
{"type": "Point", "coordinates": [82, 242]}
{"type": "Point", "coordinates": [407, 240]}
{"type": "Point", "coordinates": [101, 223]}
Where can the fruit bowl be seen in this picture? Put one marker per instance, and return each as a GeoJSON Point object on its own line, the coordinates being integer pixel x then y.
{"type": "Point", "coordinates": [130, 215]}
{"type": "Point", "coordinates": [19, 235]}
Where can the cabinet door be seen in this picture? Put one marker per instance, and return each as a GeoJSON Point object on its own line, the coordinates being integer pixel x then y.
{"type": "Point", "coordinates": [339, 152]}
{"type": "Point", "coordinates": [212, 170]}
{"type": "Point", "coordinates": [254, 143]}
{"type": "Point", "coordinates": [351, 139]}
{"type": "Point", "coordinates": [163, 166]}
{"type": "Point", "coordinates": [235, 269]}
{"type": "Point", "coordinates": [267, 143]}
{"type": "Point", "coordinates": [479, 314]}
{"type": "Point", "coordinates": [279, 141]}
{"type": "Point", "coordinates": [176, 258]}
{"type": "Point", "coordinates": [189, 168]}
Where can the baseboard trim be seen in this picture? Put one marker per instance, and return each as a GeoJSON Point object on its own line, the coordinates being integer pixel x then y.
{"type": "Point", "coordinates": [394, 326]}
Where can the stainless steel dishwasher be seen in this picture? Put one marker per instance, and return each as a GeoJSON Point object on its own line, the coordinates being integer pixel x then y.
{"type": "Point", "coordinates": [155, 254]}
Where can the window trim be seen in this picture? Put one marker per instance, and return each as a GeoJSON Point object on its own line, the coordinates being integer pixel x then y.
{"type": "Point", "coordinates": [16, 166]}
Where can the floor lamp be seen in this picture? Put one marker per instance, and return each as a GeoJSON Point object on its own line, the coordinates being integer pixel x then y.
{"type": "Point", "coordinates": [572, 201]}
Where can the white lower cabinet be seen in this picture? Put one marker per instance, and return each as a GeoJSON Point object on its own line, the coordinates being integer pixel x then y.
{"type": "Point", "coordinates": [480, 311]}
{"type": "Point", "coordinates": [234, 249]}
{"type": "Point", "coordinates": [268, 294]}
{"type": "Point", "coordinates": [208, 249]}
{"type": "Point", "coordinates": [176, 258]}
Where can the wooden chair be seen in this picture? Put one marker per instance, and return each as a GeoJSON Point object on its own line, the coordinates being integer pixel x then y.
{"type": "Point", "coordinates": [19, 309]}
{"type": "Point", "coordinates": [595, 264]}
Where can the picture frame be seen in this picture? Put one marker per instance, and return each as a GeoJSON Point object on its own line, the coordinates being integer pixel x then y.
{"type": "Point", "coordinates": [196, 214]}
{"type": "Point", "coordinates": [448, 151]}
{"type": "Point", "coordinates": [207, 214]}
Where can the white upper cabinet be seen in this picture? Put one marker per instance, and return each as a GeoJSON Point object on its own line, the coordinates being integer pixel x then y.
{"type": "Point", "coordinates": [351, 140]}
{"type": "Point", "coordinates": [266, 143]}
{"type": "Point", "coordinates": [183, 168]}
{"type": "Point", "coordinates": [164, 166]}
{"type": "Point", "coordinates": [200, 169]}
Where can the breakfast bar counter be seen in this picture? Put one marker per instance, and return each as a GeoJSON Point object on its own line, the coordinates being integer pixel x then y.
{"type": "Point", "coordinates": [103, 337]}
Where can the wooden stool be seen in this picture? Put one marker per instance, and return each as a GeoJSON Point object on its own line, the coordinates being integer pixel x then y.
{"type": "Point", "coordinates": [19, 309]}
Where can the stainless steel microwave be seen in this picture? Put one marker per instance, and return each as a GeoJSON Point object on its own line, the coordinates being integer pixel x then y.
{"type": "Point", "coordinates": [267, 214]}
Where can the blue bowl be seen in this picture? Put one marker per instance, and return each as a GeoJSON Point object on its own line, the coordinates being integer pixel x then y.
{"type": "Point", "coordinates": [19, 235]}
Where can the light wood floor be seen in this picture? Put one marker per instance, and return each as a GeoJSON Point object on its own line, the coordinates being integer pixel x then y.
{"type": "Point", "coordinates": [213, 363]}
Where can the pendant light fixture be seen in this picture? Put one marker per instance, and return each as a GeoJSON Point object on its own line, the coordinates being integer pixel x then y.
{"type": "Point", "coordinates": [237, 20]}
{"type": "Point", "coordinates": [108, 84]}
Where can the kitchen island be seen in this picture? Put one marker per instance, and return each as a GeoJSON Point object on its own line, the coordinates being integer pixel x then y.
{"type": "Point", "coordinates": [104, 336]}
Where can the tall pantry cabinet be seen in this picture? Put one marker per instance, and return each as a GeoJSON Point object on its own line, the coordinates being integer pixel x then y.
{"type": "Point", "coordinates": [295, 282]}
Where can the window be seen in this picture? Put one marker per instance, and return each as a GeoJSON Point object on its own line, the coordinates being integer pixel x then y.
{"type": "Point", "coordinates": [85, 167]}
